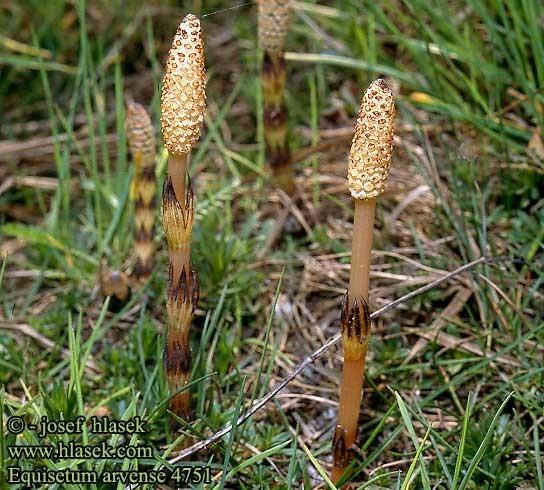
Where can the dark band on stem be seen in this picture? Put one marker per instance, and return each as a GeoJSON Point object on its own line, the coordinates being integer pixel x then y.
{"type": "Point", "coordinates": [275, 120]}
{"type": "Point", "coordinates": [186, 291]}
{"type": "Point", "coordinates": [169, 194]}
{"type": "Point", "coordinates": [177, 357]}
{"type": "Point", "coordinates": [177, 218]}
{"type": "Point", "coordinates": [355, 319]}
{"type": "Point", "coordinates": [340, 452]}
{"type": "Point", "coordinates": [181, 302]}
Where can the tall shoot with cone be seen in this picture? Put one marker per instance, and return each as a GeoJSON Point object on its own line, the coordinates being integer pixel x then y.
{"type": "Point", "coordinates": [183, 102]}
{"type": "Point", "coordinates": [141, 141]}
{"type": "Point", "coordinates": [274, 18]}
{"type": "Point", "coordinates": [369, 162]}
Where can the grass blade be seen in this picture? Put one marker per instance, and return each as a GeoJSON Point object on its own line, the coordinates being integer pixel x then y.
{"type": "Point", "coordinates": [318, 467]}
{"type": "Point", "coordinates": [461, 449]}
{"type": "Point", "coordinates": [412, 468]}
{"type": "Point", "coordinates": [408, 423]}
{"type": "Point", "coordinates": [483, 446]}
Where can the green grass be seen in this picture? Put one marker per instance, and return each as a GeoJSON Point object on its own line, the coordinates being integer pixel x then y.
{"type": "Point", "coordinates": [469, 79]}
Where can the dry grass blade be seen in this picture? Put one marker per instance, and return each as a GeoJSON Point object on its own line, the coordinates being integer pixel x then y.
{"type": "Point", "coordinates": [453, 308]}
{"type": "Point", "coordinates": [44, 183]}
{"type": "Point", "coordinates": [451, 342]}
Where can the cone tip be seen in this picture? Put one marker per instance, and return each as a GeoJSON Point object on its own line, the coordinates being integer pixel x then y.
{"type": "Point", "coordinates": [372, 146]}
{"type": "Point", "coordinates": [183, 98]}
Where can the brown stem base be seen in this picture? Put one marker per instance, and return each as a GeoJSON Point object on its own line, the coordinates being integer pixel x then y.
{"type": "Point", "coordinates": [348, 414]}
{"type": "Point", "coordinates": [177, 367]}
{"type": "Point", "coordinates": [183, 285]}
{"type": "Point", "coordinates": [180, 405]}
{"type": "Point", "coordinates": [283, 178]}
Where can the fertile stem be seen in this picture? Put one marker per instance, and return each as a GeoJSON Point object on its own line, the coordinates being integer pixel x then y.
{"type": "Point", "coordinates": [177, 170]}
{"type": "Point", "coordinates": [141, 140]}
{"type": "Point", "coordinates": [355, 325]}
{"type": "Point", "coordinates": [350, 397]}
{"type": "Point", "coordinates": [183, 101]}
{"type": "Point", "coordinates": [369, 162]}
{"type": "Point", "coordinates": [181, 302]}
{"type": "Point", "coordinates": [274, 18]}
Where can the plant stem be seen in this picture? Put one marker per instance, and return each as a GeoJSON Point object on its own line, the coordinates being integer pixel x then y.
{"type": "Point", "coordinates": [355, 334]}
{"type": "Point", "coordinates": [180, 260]}
{"type": "Point", "coordinates": [275, 120]}
{"type": "Point", "coordinates": [141, 140]}
{"type": "Point", "coordinates": [183, 102]}
{"type": "Point", "coordinates": [180, 257]}
{"type": "Point", "coordinates": [350, 396]}
{"type": "Point", "coordinates": [353, 373]}
{"type": "Point", "coordinates": [178, 214]}
{"type": "Point", "coordinates": [177, 169]}
{"type": "Point", "coordinates": [361, 246]}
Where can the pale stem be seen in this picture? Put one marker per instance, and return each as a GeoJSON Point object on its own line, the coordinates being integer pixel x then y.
{"type": "Point", "coordinates": [353, 371]}
{"type": "Point", "coordinates": [351, 389]}
{"type": "Point", "coordinates": [177, 169]}
{"type": "Point", "coordinates": [363, 226]}
{"type": "Point", "coordinates": [181, 258]}
{"type": "Point", "coordinates": [353, 374]}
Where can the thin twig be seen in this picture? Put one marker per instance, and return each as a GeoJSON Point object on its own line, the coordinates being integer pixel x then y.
{"type": "Point", "coordinates": [257, 405]}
